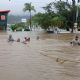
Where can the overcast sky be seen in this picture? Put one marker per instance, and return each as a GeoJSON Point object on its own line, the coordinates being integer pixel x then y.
{"type": "Point", "coordinates": [16, 6]}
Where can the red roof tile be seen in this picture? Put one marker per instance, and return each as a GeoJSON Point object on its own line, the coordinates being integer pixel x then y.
{"type": "Point", "coordinates": [4, 11]}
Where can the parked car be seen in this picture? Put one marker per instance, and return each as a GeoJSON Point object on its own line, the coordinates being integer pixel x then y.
{"type": "Point", "coordinates": [27, 29]}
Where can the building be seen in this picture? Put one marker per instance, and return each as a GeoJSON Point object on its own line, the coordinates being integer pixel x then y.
{"type": "Point", "coordinates": [3, 19]}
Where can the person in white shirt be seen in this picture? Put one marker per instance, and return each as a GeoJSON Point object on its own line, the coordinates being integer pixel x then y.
{"type": "Point", "coordinates": [75, 41]}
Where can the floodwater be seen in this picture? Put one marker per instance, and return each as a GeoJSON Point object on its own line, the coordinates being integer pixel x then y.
{"type": "Point", "coordinates": [49, 58]}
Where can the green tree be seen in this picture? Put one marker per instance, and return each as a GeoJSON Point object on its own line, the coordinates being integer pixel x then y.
{"type": "Point", "coordinates": [58, 13]}
{"type": "Point", "coordinates": [49, 8]}
{"type": "Point", "coordinates": [43, 19]}
{"type": "Point", "coordinates": [18, 26]}
{"type": "Point", "coordinates": [58, 21]}
{"type": "Point", "coordinates": [28, 7]}
{"type": "Point", "coordinates": [13, 27]}
{"type": "Point", "coordinates": [68, 11]}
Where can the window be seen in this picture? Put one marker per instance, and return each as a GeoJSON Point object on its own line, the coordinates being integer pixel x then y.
{"type": "Point", "coordinates": [3, 17]}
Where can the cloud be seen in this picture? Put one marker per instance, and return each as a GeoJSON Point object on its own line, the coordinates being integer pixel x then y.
{"type": "Point", "coordinates": [16, 6]}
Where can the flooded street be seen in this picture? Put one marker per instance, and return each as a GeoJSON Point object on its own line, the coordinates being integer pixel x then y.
{"type": "Point", "coordinates": [49, 58]}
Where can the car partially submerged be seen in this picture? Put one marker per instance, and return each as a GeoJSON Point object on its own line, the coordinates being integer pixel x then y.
{"type": "Point", "coordinates": [27, 29]}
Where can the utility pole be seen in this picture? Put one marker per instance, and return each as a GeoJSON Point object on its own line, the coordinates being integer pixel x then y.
{"type": "Point", "coordinates": [74, 14]}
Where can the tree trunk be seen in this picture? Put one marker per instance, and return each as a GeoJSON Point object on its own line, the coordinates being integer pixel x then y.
{"type": "Point", "coordinates": [30, 22]}
{"type": "Point", "coordinates": [74, 14]}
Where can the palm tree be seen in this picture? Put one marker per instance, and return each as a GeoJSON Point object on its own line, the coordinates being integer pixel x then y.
{"type": "Point", "coordinates": [28, 7]}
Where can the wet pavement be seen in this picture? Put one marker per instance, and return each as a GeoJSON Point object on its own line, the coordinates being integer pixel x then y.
{"type": "Point", "coordinates": [49, 58]}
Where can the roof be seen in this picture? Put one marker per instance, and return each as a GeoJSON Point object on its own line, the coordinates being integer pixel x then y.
{"type": "Point", "coordinates": [4, 11]}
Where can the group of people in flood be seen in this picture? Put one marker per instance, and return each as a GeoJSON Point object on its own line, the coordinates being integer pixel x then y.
{"type": "Point", "coordinates": [75, 41]}
{"type": "Point", "coordinates": [26, 39]}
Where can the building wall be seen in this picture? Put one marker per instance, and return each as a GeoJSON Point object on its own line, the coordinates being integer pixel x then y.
{"type": "Point", "coordinates": [3, 20]}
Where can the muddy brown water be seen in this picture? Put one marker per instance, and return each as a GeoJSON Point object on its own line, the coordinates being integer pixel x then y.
{"type": "Point", "coordinates": [49, 58]}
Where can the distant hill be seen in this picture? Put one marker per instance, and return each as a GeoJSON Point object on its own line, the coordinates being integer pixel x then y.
{"type": "Point", "coordinates": [15, 18]}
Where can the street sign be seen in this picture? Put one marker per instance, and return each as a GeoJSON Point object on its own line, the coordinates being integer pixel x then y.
{"type": "Point", "coordinates": [23, 20]}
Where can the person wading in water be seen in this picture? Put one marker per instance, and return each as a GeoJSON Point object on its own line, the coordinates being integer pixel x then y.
{"type": "Point", "coordinates": [75, 41]}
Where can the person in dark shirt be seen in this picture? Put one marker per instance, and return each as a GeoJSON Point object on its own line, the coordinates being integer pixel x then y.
{"type": "Point", "coordinates": [10, 39]}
